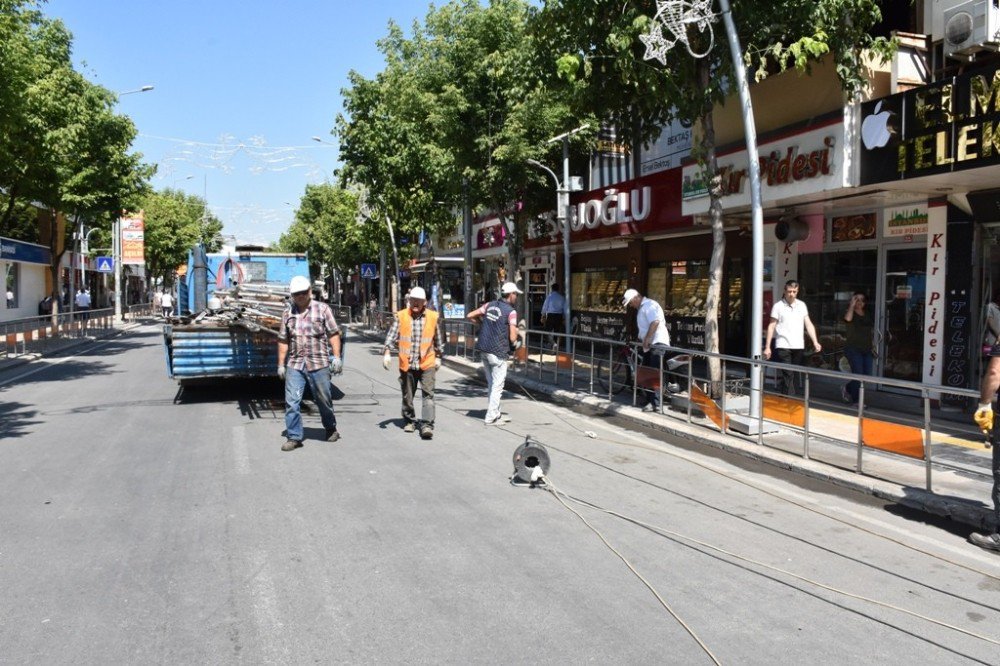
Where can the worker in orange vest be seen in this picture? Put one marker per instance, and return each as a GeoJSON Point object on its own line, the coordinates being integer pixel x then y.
{"type": "Point", "coordinates": [414, 336]}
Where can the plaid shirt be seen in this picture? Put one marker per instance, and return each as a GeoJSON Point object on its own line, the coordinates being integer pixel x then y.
{"type": "Point", "coordinates": [392, 339]}
{"type": "Point", "coordinates": [308, 335]}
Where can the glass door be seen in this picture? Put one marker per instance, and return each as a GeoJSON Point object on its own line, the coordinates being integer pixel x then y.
{"type": "Point", "coordinates": [901, 328]}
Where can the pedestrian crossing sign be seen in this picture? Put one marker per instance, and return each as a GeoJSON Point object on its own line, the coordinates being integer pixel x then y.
{"type": "Point", "coordinates": [368, 271]}
{"type": "Point", "coordinates": [105, 265]}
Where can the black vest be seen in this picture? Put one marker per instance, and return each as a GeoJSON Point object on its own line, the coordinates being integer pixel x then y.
{"type": "Point", "coordinates": [494, 337]}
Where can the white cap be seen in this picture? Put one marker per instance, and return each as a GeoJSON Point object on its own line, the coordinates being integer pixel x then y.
{"type": "Point", "coordinates": [298, 283]}
{"type": "Point", "coordinates": [629, 295]}
{"type": "Point", "coordinates": [418, 292]}
{"type": "Point", "coordinates": [509, 288]}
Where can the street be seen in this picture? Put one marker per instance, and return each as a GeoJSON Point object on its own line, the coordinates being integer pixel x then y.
{"type": "Point", "coordinates": [144, 524]}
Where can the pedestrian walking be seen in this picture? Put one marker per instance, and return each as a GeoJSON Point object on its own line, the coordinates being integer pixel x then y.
{"type": "Point", "coordinates": [652, 328]}
{"type": "Point", "coordinates": [496, 337]}
{"type": "Point", "coordinates": [82, 301]}
{"type": "Point", "coordinates": [166, 304]}
{"type": "Point", "coordinates": [986, 421]}
{"type": "Point", "coordinates": [414, 337]}
{"type": "Point", "coordinates": [789, 318]}
{"type": "Point", "coordinates": [858, 347]}
{"type": "Point", "coordinates": [553, 313]}
{"type": "Point", "coordinates": [308, 334]}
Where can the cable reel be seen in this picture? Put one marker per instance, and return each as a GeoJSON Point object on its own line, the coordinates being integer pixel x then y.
{"type": "Point", "coordinates": [531, 462]}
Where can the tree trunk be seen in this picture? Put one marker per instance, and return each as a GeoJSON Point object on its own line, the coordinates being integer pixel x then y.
{"type": "Point", "coordinates": [718, 259]}
{"type": "Point", "coordinates": [9, 212]}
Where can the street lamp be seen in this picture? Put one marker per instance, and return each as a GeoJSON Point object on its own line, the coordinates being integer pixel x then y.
{"type": "Point", "coordinates": [137, 90]}
{"type": "Point", "coordinates": [562, 217]}
{"type": "Point", "coordinates": [173, 184]}
{"type": "Point", "coordinates": [676, 16]}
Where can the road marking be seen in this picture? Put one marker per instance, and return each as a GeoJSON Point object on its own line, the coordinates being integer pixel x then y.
{"type": "Point", "coordinates": [265, 610]}
{"type": "Point", "coordinates": [241, 453]}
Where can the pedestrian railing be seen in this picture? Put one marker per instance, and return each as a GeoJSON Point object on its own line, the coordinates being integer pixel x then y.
{"type": "Point", "coordinates": [612, 370]}
{"type": "Point", "coordinates": [139, 311]}
{"type": "Point", "coordinates": [32, 335]}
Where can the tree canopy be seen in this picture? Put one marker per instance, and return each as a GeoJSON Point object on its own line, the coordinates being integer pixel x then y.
{"type": "Point", "coordinates": [174, 223]}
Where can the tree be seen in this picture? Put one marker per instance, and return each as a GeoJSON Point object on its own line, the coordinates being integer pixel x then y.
{"type": "Point", "coordinates": [598, 42]}
{"type": "Point", "coordinates": [174, 223]}
{"type": "Point", "coordinates": [456, 113]}
{"type": "Point", "coordinates": [328, 228]}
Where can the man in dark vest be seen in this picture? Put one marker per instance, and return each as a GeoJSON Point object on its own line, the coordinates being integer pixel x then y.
{"type": "Point", "coordinates": [496, 337]}
{"type": "Point", "coordinates": [414, 336]}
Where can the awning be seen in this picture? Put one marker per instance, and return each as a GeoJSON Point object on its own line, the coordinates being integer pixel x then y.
{"type": "Point", "coordinates": [440, 261]}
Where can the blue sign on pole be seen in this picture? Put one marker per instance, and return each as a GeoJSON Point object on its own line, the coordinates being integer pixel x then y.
{"type": "Point", "coordinates": [105, 265]}
{"type": "Point", "coordinates": [369, 271]}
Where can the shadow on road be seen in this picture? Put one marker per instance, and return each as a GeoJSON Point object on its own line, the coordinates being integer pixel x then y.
{"type": "Point", "coordinates": [18, 418]}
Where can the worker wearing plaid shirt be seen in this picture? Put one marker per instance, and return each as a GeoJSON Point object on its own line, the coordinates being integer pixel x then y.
{"type": "Point", "coordinates": [308, 333]}
{"type": "Point", "coordinates": [414, 336]}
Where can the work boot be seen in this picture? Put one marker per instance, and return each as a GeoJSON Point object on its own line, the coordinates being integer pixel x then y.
{"type": "Point", "coordinates": [426, 431]}
{"type": "Point", "coordinates": [410, 427]}
{"type": "Point", "coordinates": [290, 445]}
{"type": "Point", "coordinates": [986, 541]}
{"type": "Point", "coordinates": [332, 435]}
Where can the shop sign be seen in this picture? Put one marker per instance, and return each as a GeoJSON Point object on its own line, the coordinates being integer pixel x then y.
{"type": "Point", "coordinates": [847, 228]}
{"type": "Point", "coordinates": [934, 307]}
{"type": "Point", "coordinates": [950, 125]}
{"type": "Point", "coordinates": [488, 237]}
{"type": "Point", "coordinates": [615, 208]}
{"type": "Point", "coordinates": [905, 221]}
{"type": "Point", "coordinates": [667, 151]}
{"type": "Point", "coordinates": [133, 240]}
{"type": "Point", "coordinates": [804, 164]}
{"type": "Point", "coordinates": [28, 253]}
{"type": "Point", "coordinates": [607, 325]}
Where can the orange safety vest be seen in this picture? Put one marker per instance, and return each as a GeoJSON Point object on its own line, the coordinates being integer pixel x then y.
{"type": "Point", "coordinates": [427, 356]}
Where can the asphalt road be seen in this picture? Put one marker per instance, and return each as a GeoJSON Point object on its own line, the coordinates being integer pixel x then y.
{"type": "Point", "coordinates": [141, 524]}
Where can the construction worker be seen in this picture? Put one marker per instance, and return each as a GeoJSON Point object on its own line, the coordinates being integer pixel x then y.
{"type": "Point", "coordinates": [414, 337]}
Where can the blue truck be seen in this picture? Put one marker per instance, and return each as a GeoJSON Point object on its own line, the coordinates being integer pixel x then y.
{"type": "Point", "coordinates": [230, 308]}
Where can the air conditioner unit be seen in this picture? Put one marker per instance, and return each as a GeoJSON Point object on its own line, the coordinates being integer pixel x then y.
{"type": "Point", "coordinates": [970, 27]}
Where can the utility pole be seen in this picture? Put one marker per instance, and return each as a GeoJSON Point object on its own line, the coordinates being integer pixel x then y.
{"type": "Point", "coordinates": [467, 247]}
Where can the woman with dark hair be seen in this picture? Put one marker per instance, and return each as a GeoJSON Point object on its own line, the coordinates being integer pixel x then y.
{"type": "Point", "coordinates": [858, 348]}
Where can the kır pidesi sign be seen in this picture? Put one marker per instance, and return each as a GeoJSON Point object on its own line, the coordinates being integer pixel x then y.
{"type": "Point", "coordinates": [133, 239]}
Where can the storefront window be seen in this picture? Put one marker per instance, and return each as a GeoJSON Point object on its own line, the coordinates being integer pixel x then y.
{"type": "Point", "coordinates": [826, 284]}
{"type": "Point", "coordinates": [599, 289]}
{"type": "Point", "coordinates": [11, 281]}
{"type": "Point", "coordinates": [688, 288]}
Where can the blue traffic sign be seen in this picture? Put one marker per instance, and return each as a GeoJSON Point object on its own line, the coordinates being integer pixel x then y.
{"type": "Point", "coordinates": [105, 265]}
{"type": "Point", "coordinates": [369, 271]}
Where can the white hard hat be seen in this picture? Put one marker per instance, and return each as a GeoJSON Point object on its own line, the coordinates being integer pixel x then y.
{"type": "Point", "coordinates": [510, 288]}
{"type": "Point", "coordinates": [298, 284]}
{"type": "Point", "coordinates": [418, 292]}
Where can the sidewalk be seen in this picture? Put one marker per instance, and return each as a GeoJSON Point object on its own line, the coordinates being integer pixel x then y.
{"type": "Point", "coordinates": [960, 474]}
{"type": "Point", "coordinates": [60, 345]}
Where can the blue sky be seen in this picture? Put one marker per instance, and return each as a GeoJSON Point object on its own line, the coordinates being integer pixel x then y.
{"type": "Point", "coordinates": [239, 90]}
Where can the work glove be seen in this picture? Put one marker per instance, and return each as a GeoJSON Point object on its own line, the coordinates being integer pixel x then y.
{"type": "Point", "coordinates": [336, 365]}
{"type": "Point", "coordinates": [517, 344]}
{"type": "Point", "coordinates": [386, 360]}
{"type": "Point", "coordinates": [437, 363]}
{"type": "Point", "coordinates": [984, 417]}
{"type": "Point", "coordinates": [281, 372]}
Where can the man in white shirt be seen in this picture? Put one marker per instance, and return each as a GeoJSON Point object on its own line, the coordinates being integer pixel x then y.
{"type": "Point", "coordinates": [167, 304]}
{"type": "Point", "coordinates": [654, 336]}
{"type": "Point", "coordinates": [82, 301]}
{"type": "Point", "coordinates": [552, 312]}
{"type": "Point", "coordinates": [789, 317]}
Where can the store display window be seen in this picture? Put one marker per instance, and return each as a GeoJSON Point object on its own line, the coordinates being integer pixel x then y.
{"type": "Point", "coordinates": [598, 289]}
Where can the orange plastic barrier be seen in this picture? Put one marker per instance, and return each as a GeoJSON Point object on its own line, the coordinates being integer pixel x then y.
{"type": "Point", "coordinates": [707, 405]}
{"type": "Point", "coordinates": [564, 360]}
{"type": "Point", "coordinates": [649, 378]}
{"type": "Point", "coordinates": [901, 439]}
{"type": "Point", "coordinates": [784, 409]}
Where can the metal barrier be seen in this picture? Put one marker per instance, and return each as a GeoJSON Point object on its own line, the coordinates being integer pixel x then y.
{"type": "Point", "coordinates": [594, 366]}
{"type": "Point", "coordinates": [36, 335]}
{"type": "Point", "coordinates": [138, 311]}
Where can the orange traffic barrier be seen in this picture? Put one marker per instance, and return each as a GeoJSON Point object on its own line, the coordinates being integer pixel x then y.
{"type": "Point", "coordinates": [649, 378]}
{"type": "Point", "coordinates": [453, 339]}
{"type": "Point", "coordinates": [784, 409]}
{"type": "Point", "coordinates": [564, 360]}
{"type": "Point", "coordinates": [901, 439]}
{"type": "Point", "coordinates": [708, 406]}
{"type": "Point", "coordinates": [28, 336]}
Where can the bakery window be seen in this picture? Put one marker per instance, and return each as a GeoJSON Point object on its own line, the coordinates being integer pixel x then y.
{"type": "Point", "coordinates": [598, 289]}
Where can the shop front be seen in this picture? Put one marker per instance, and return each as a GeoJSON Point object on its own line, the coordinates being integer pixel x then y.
{"type": "Point", "coordinates": [24, 267]}
{"type": "Point", "coordinates": [489, 257]}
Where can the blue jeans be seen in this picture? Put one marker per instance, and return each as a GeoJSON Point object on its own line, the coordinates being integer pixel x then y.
{"type": "Point", "coordinates": [495, 369]}
{"type": "Point", "coordinates": [295, 386]}
{"type": "Point", "coordinates": [861, 364]}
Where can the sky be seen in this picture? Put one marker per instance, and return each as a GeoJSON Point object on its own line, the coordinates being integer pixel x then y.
{"type": "Point", "coordinates": [239, 90]}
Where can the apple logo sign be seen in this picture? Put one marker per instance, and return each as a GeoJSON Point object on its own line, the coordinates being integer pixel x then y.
{"type": "Point", "coordinates": [875, 131]}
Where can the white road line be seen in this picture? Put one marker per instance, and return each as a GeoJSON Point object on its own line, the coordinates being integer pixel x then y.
{"type": "Point", "coordinates": [265, 611]}
{"type": "Point", "coordinates": [241, 453]}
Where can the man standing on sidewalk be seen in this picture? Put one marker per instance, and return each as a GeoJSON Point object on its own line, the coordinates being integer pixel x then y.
{"type": "Point", "coordinates": [789, 317]}
{"type": "Point", "coordinates": [414, 336]}
{"type": "Point", "coordinates": [985, 420]}
{"type": "Point", "coordinates": [308, 332]}
{"type": "Point", "coordinates": [655, 339]}
{"type": "Point", "coordinates": [552, 313]}
{"type": "Point", "coordinates": [496, 337]}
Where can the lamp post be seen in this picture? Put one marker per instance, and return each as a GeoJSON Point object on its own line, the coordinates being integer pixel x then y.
{"type": "Point", "coordinates": [677, 17]}
{"type": "Point", "coordinates": [562, 216]}
{"type": "Point", "coordinates": [137, 90]}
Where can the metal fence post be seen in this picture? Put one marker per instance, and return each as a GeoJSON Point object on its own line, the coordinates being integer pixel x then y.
{"type": "Point", "coordinates": [805, 417]}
